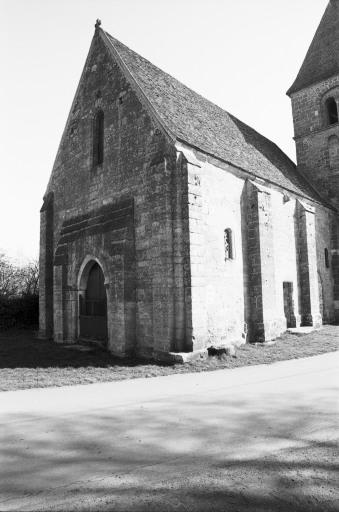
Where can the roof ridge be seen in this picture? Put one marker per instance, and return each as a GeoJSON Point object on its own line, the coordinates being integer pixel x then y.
{"type": "Point", "coordinates": [187, 117]}
{"type": "Point", "coordinates": [232, 116]}
{"type": "Point", "coordinates": [169, 75]}
{"type": "Point", "coordinates": [229, 114]}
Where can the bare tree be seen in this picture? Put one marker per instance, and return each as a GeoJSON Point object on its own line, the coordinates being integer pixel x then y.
{"type": "Point", "coordinates": [18, 280]}
{"type": "Point", "coordinates": [9, 278]}
{"type": "Point", "coordinates": [30, 278]}
{"type": "Point", "coordinates": [19, 304]}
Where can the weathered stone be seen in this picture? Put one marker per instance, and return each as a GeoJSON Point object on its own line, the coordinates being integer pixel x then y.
{"type": "Point", "coordinates": [221, 351]}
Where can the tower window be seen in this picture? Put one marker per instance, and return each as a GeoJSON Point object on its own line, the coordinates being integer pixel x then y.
{"type": "Point", "coordinates": [332, 111]}
{"type": "Point", "coordinates": [327, 261]}
{"type": "Point", "coordinates": [228, 244]}
{"type": "Point", "coordinates": [98, 138]}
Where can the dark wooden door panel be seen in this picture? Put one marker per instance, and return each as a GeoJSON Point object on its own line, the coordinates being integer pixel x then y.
{"type": "Point", "coordinates": [93, 309]}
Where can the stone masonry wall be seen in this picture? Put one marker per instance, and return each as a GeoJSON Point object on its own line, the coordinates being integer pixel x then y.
{"type": "Point", "coordinates": [214, 286]}
{"type": "Point", "coordinates": [317, 146]}
{"type": "Point", "coordinates": [139, 166]}
{"type": "Point", "coordinates": [315, 138]}
{"type": "Point", "coordinates": [324, 220]}
{"type": "Point", "coordinates": [274, 252]}
{"type": "Point", "coordinates": [46, 267]}
{"type": "Point", "coordinates": [307, 265]}
{"type": "Point", "coordinates": [222, 193]}
{"type": "Point", "coordinates": [266, 315]}
{"type": "Point", "coordinates": [334, 262]}
{"type": "Point", "coordinates": [285, 253]}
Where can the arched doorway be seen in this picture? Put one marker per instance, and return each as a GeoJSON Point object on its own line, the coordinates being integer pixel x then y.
{"type": "Point", "coordinates": [93, 304]}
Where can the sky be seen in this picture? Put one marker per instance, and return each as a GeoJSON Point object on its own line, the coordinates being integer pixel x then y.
{"type": "Point", "coordinates": [242, 55]}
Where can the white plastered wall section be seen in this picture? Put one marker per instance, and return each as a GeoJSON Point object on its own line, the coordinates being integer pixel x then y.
{"type": "Point", "coordinates": [288, 262]}
{"type": "Point", "coordinates": [222, 202]}
{"type": "Point", "coordinates": [217, 284]}
{"type": "Point", "coordinates": [223, 291]}
{"type": "Point", "coordinates": [285, 249]}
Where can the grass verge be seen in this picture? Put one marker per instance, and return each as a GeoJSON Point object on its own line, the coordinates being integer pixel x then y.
{"type": "Point", "coordinates": [27, 362]}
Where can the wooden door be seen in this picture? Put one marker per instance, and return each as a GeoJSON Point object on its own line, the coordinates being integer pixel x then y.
{"type": "Point", "coordinates": [93, 308]}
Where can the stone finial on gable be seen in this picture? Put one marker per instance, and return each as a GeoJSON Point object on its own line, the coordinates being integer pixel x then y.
{"type": "Point", "coordinates": [97, 24]}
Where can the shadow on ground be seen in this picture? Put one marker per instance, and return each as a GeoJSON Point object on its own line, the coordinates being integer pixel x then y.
{"type": "Point", "coordinates": [231, 458]}
{"type": "Point", "coordinates": [28, 362]}
{"type": "Point", "coordinates": [22, 349]}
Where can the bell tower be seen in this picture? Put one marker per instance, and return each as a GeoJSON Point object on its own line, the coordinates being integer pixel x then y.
{"type": "Point", "coordinates": [315, 106]}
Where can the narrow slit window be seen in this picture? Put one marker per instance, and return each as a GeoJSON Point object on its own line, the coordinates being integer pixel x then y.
{"type": "Point", "coordinates": [98, 138]}
{"type": "Point", "coordinates": [332, 111]}
{"type": "Point", "coordinates": [327, 261]}
{"type": "Point", "coordinates": [228, 244]}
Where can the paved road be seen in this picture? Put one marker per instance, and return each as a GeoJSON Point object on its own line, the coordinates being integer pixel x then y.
{"type": "Point", "coordinates": [260, 438]}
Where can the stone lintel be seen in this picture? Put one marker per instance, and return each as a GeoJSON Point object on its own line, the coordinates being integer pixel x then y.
{"type": "Point", "coordinates": [306, 206]}
{"type": "Point", "coordinates": [260, 187]}
{"type": "Point", "coordinates": [188, 154]}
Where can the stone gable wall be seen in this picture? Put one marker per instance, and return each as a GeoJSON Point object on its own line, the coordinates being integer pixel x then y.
{"type": "Point", "coordinates": [138, 167]}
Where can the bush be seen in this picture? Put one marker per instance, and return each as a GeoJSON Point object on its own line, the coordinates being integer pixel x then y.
{"type": "Point", "coordinates": [19, 311]}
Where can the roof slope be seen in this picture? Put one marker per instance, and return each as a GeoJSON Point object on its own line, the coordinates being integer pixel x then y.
{"type": "Point", "coordinates": [322, 58]}
{"type": "Point", "coordinates": [194, 120]}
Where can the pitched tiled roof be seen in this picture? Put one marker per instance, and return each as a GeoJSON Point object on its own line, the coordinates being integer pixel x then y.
{"type": "Point", "coordinates": [194, 120]}
{"type": "Point", "coordinates": [322, 58]}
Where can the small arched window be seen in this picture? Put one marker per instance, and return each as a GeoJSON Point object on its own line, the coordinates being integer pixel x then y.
{"type": "Point", "coordinates": [98, 138]}
{"type": "Point", "coordinates": [228, 244]}
{"type": "Point", "coordinates": [332, 111]}
{"type": "Point", "coordinates": [327, 261]}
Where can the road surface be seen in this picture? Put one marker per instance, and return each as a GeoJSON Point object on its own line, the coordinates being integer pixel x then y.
{"type": "Point", "coordinates": [261, 438]}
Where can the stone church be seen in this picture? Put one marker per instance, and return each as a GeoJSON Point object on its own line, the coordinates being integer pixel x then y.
{"type": "Point", "coordinates": [169, 225]}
